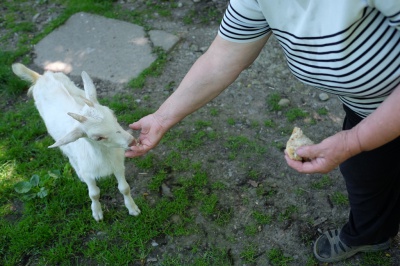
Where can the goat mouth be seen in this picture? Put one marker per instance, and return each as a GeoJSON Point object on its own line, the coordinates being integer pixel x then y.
{"type": "Point", "coordinates": [135, 142]}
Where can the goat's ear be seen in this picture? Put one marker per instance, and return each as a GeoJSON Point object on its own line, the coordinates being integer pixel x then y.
{"type": "Point", "coordinates": [90, 90]}
{"type": "Point", "coordinates": [70, 137]}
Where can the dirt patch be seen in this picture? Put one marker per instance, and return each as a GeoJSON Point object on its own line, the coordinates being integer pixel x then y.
{"type": "Point", "coordinates": [300, 206]}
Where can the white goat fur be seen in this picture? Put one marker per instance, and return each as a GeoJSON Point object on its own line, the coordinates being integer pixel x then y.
{"type": "Point", "coordinates": [87, 132]}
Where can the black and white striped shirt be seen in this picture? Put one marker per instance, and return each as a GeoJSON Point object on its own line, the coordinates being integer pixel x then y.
{"type": "Point", "coordinates": [350, 48]}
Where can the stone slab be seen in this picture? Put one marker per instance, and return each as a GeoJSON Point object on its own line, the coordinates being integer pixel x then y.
{"type": "Point", "coordinates": [105, 48]}
{"type": "Point", "coordinates": [163, 39]}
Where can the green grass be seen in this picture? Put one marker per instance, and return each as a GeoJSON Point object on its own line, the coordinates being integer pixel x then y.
{"type": "Point", "coordinates": [273, 101]}
{"type": "Point", "coordinates": [287, 213]}
{"type": "Point", "coordinates": [322, 111]}
{"type": "Point", "coordinates": [381, 258]}
{"type": "Point", "coordinates": [10, 85]}
{"type": "Point", "coordinates": [59, 227]}
{"type": "Point", "coordinates": [339, 199]}
{"type": "Point", "coordinates": [277, 257]}
{"type": "Point", "coordinates": [295, 113]}
{"type": "Point", "coordinates": [249, 254]}
{"type": "Point", "coordinates": [262, 218]}
{"type": "Point", "coordinates": [210, 256]}
{"type": "Point", "coordinates": [251, 230]}
{"type": "Point", "coordinates": [324, 182]}
{"type": "Point", "coordinates": [269, 123]}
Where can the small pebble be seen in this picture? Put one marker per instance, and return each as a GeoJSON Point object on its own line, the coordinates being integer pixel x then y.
{"type": "Point", "coordinates": [284, 102]}
{"type": "Point", "coordinates": [323, 96]}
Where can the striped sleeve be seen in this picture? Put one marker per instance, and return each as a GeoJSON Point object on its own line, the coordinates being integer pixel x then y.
{"type": "Point", "coordinates": [389, 8]}
{"type": "Point", "coordinates": [243, 21]}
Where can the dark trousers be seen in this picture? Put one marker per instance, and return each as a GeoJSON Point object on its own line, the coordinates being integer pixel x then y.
{"type": "Point", "coordinates": [373, 184]}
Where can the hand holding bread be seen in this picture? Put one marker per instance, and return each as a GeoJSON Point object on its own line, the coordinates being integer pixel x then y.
{"type": "Point", "coordinates": [297, 140]}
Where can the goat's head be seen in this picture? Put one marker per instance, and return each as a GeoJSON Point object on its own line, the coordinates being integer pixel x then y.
{"type": "Point", "coordinates": [96, 122]}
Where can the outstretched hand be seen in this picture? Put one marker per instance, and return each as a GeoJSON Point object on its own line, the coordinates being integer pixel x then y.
{"type": "Point", "coordinates": [150, 135]}
{"type": "Point", "coordinates": [325, 156]}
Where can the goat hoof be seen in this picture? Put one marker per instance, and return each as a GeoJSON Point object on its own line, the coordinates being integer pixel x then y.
{"type": "Point", "coordinates": [98, 216]}
{"type": "Point", "coordinates": [134, 212]}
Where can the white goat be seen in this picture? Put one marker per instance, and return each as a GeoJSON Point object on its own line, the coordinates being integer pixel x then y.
{"type": "Point", "coordinates": [87, 132]}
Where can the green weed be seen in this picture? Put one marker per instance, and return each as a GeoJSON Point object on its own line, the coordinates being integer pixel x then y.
{"type": "Point", "coordinates": [214, 112]}
{"type": "Point", "coordinates": [339, 199]}
{"type": "Point", "coordinates": [322, 183]}
{"type": "Point", "coordinates": [269, 123]}
{"type": "Point", "coordinates": [249, 254]}
{"type": "Point", "coordinates": [294, 114]}
{"type": "Point", "coordinates": [322, 111]}
{"type": "Point", "coordinates": [381, 258]}
{"type": "Point", "coordinates": [209, 204]}
{"type": "Point", "coordinates": [273, 101]}
{"type": "Point", "coordinates": [231, 121]}
{"type": "Point", "coordinates": [218, 185]}
{"type": "Point", "coordinates": [207, 256]}
{"type": "Point", "coordinates": [157, 180]}
{"type": "Point", "coordinates": [277, 257]}
{"type": "Point", "coordinates": [262, 218]}
{"type": "Point", "coordinates": [37, 187]}
{"type": "Point", "coordinates": [287, 213]}
{"type": "Point", "coordinates": [250, 230]}
{"type": "Point", "coordinates": [223, 216]}
{"type": "Point", "coordinates": [189, 18]}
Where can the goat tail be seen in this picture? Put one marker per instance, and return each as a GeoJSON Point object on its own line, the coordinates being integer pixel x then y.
{"type": "Point", "coordinates": [25, 73]}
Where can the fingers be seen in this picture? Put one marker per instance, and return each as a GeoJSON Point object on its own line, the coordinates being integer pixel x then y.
{"type": "Point", "coordinates": [136, 151]}
{"type": "Point", "coordinates": [307, 151]}
{"type": "Point", "coordinates": [135, 126]}
{"type": "Point", "coordinates": [315, 164]}
{"type": "Point", "coordinates": [310, 167]}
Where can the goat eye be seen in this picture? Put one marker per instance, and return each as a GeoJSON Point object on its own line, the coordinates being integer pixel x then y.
{"type": "Point", "coordinates": [99, 138]}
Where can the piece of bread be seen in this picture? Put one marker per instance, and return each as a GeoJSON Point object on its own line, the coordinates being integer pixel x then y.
{"type": "Point", "coordinates": [296, 140]}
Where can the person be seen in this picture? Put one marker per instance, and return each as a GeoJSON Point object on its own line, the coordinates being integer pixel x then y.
{"type": "Point", "coordinates": [350, 48]}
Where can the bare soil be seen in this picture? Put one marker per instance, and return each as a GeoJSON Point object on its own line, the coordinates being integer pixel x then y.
{"type": "Point", "coordinates": [254, 183]}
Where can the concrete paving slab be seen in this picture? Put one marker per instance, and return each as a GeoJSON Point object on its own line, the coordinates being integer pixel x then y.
{"type": "Point", "coordinates": [163, 39]}
{"type": "Point", "coordinates": [107, 49]}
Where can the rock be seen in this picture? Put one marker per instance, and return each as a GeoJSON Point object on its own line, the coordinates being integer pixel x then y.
{"type": "Point", "coordinates": [284, 102]}
{"type": "Point", "coordinates": [323, 96]}
{"type": "Point", "coordinates": [152, 260]}
{"type": "Point", "coordinates": [166, 191]}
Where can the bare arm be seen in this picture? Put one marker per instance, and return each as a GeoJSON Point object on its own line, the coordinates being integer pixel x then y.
{"type": "Point", "coordinates": [379, 128]}
{"type": "Point", "coordinates": [209, 76]}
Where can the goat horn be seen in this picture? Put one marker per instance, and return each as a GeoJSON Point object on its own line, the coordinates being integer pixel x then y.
{"type": "Point", "coordinates": [79, 118]}
{"type": "Point", "coordinates": [88, 102]}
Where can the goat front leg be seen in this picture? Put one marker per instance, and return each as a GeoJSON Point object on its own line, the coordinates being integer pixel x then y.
{"type": "Point", "coordinates": [125, 190]}
{"type": "Point", "coordinates": [94, 194]}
